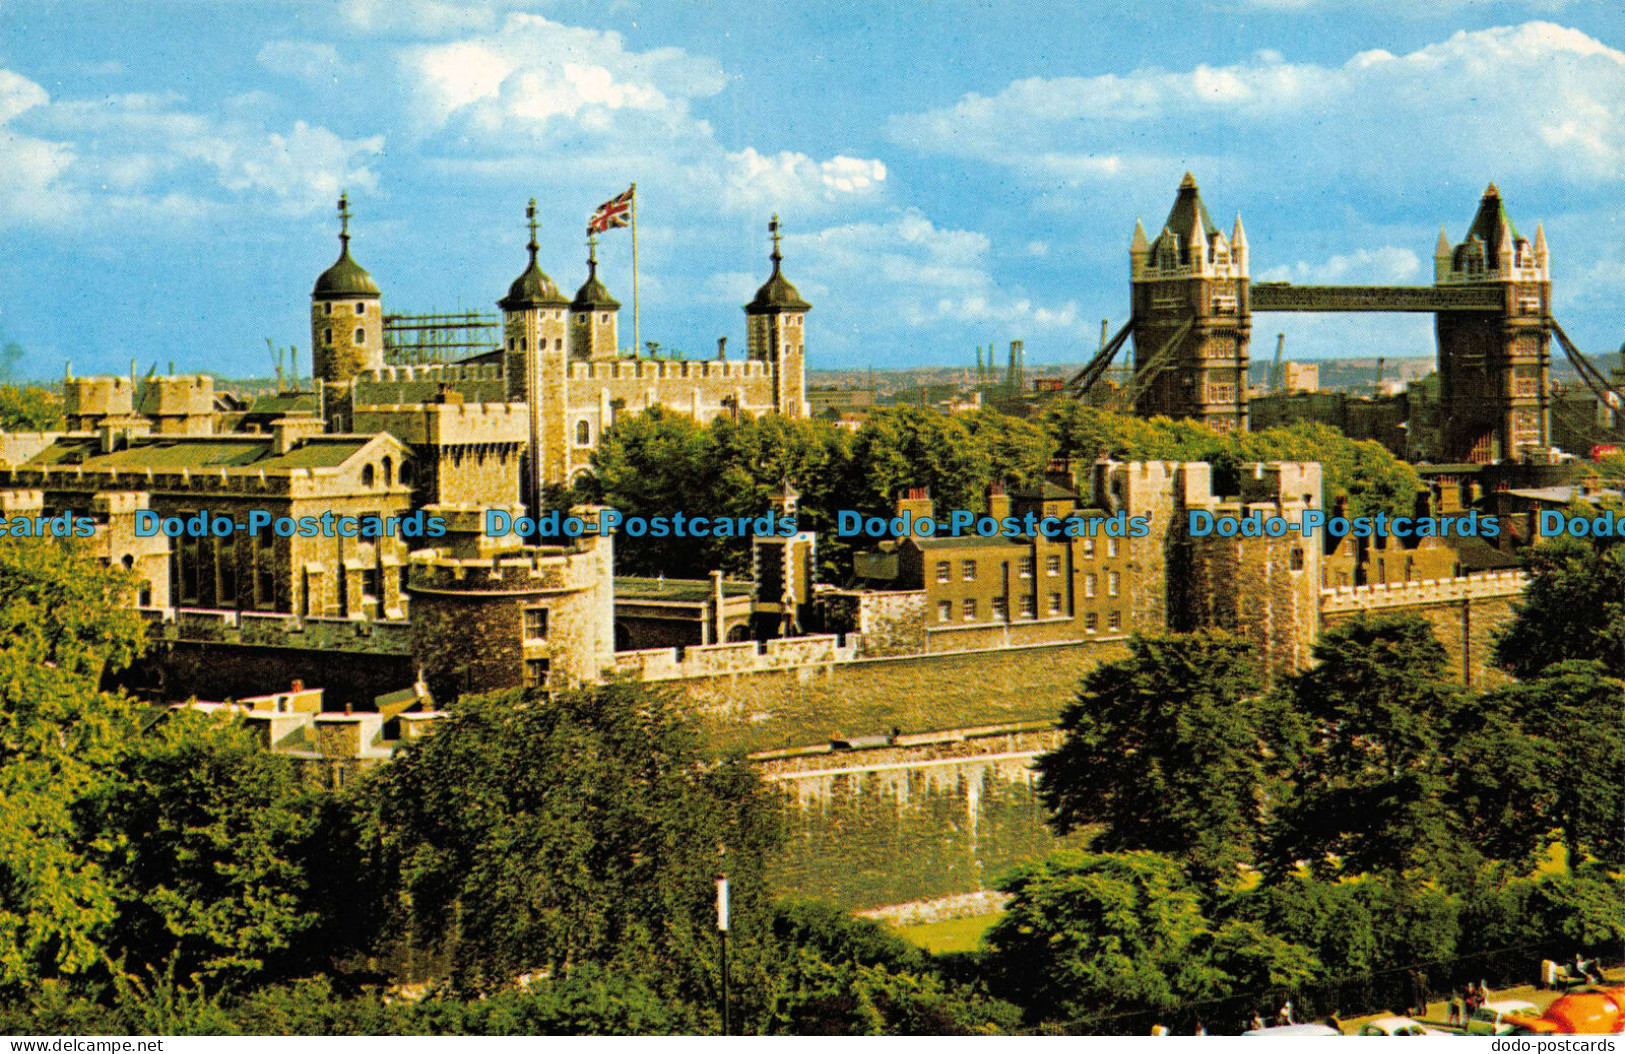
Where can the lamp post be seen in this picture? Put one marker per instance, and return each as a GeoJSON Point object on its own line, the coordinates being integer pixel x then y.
{"type": "Point", "coordinates": [722, 929]}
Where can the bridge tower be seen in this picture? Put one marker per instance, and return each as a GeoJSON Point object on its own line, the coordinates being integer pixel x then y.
{"type": "Point", "coordinates": [1192, 319]}
{"type": "Point", "coordinates": [1494, 382]}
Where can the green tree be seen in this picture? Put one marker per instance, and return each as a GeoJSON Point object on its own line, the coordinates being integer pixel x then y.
{"type": "Point", "coordinates": [1093, 934]}
{"type": "Point", "coordinates": [1545, 758]}
{"type": "Point", "coordinates": [27, 408]}
{"type": "Point", "coordinates": [210, 836]}
{"type": "Point", "coordinates": [1573, 608]}
{"type": "Point", "coordinates": [1163, 749]}
{"type": "Point", "coordinates": [1365, 752]}
{"type": "Point", "coordinates": [538, 832]}
{"type": "Point", "coordinates": [63, 622]}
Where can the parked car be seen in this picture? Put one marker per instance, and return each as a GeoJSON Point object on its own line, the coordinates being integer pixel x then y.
{"type": "Point", "coordinates": [1491, 1018]}
{"type": "Point", "coordinates": [1598, 1012]}
{"type": "Point", "coordinates": [1397, 1026]}
{"type": "Point", "coordinates": [1294, 1031]}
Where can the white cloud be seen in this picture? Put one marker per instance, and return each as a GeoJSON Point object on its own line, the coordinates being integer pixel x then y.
{"type": "Point", "coordinates": [144, 156]}
{"type": "Point", "coordinates": [1363, 266]}
{"type": "Point", "coordinates": [573, 105]}
{"type": "Point", "coordinates": [757, 182]}
{"type": "Point", "coordinates": [1535, 99]}
{"type": "Point", "coordinates": [908, 269]}
{"type": "Point", "coordinates": [539, 77]}
{"type": "Point", "coordinates": [32, 166]}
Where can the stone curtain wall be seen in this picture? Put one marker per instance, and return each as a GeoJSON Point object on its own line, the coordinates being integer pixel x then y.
{"type": "Point", "coordinates": [825, 700]}
{"type": "Point", "coordinates": [911, 821]}
{"type": "Point", "coordinates": [1465, 614]}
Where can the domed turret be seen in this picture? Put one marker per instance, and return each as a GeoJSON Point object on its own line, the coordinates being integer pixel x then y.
{"type": "Point", "coordinates": [346, 318]}
{"type": "Point", "coordinates": [775, 334]}
{"type": "Point", "coordinates": [533, 288]}
{"type": "Point", "coordinates": [776, 294]}
{"type": "Point", "coordinates": [593, 315]}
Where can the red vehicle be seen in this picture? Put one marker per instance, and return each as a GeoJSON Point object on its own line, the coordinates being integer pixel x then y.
{"type": "Point", "coordinates": [1595, 1012]}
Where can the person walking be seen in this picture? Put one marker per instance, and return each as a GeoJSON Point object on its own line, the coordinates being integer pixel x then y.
{"type": "Point", "coordinates": [1284, 1015]}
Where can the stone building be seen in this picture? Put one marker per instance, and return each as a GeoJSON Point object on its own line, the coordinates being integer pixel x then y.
{"type": "Point", "coordinates": [296, 470]}
{"type": "Point", "coordinates": [558, 380]}
{"type": "Point", "coordinates": [925, 595]}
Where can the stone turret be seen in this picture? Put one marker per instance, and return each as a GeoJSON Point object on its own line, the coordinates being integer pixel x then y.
{"type": "Point", "coordinates": [774, 322]}
{"type": "Point", "coordinates": [346, 314]}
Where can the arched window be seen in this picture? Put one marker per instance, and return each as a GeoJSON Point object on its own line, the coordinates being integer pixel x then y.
{"type": "Point", "coordinates": [389, 472]}
{"type": "Point", "coordinates": [406, 473]}
{"type": "Point", "coordinates": [360, 335]}
{"type": "Point", "coordinates": [327, 335]}
{"type": "Point", "coordinates": [583, 433]}
{"type": "Point", "coordinates": [128, 561]}
{"type": "Point", "coordinates": [366, 475]}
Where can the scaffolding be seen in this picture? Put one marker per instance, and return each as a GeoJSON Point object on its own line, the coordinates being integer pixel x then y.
{"type": "Point", "coordinates": [413, 340]}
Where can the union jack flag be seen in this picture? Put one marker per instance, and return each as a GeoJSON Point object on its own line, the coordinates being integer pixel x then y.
{"type": "Point", "coordinates": [616, 212]}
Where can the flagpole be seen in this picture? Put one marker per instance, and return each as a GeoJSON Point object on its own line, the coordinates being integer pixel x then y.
{"type": "Point", "coordinates": [637, 334]}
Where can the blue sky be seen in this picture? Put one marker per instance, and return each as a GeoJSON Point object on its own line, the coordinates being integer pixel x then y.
{"type": "Point", "coordinates": [949, 174]}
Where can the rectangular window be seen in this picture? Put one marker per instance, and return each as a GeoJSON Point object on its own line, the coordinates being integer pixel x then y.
{"type": "Point", "coordinates": [1089, 581]}
{"type": "Point", "coordinates": [1055, 603]}
{"type": "Point", "coordinates": [1029, 606]}
{"type": "Point", "coordinates": [1297, 558]}
{"type": "Point", "coordinates": [944, 570]}
{"type": "Point", "coordinates": [1026, 567]}
{"type": "Point", "coordinates": [1088, 548]}
{"type": "Point", "coordinates": [1111, 546]}
{"type": "Point", "coordinates": [1114, 582]}
{"type": "Point", "coordinates": [535, 673]}
{"type": "Point", "coordinates": [1115, 620]}
{"type": "Point", "coordinates": [1091, 622]}
{"type": "Point", "coordinates": [945, 610]}
{"type": "Point", "coordinates": [1001, 608]}
{"type": "Point", "coordinates": [969, 569]}
{"type": "Point", "coordinates": [1052, 564]}
{"type": "Point", "coordinates": [188, 569]}
{"type": "Point", "coordinates": [227, 555]}
{"type": "Point", "coordinates": [535, 623]}
{"type": "Point", "coordinates": [968, 608]}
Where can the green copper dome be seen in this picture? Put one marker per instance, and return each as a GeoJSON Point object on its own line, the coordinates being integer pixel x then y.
{"type": "Point", "coordinates": [345, 279]}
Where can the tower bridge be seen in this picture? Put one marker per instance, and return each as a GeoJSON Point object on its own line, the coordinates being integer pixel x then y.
{"type": "Point", "coordinates": [1192, 301]}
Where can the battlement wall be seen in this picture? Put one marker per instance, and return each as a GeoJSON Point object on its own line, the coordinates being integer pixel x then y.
{"type": "Point", "coordinates": [528, 570]}
{"type": "Point", "coordinates": [748, 657]}
{"type": "Point", "coordinates": [446, 423]}
{"type": "Point", "coordinates": [1467, 614]}
{"type": "Point", "coordinates": [434, 371]}
{"type": "Point", "coordinates": [1388, 595]}
{"type": "Point", "coordinates": [272, 630]}
{"type": "Point", "coordinates": [667, 369]}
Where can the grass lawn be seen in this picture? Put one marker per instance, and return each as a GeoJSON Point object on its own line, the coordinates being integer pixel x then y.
{"type": "Point", "coordinates": [954, 935]}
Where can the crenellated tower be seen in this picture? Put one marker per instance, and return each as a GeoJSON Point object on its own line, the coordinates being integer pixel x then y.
{"type": "Point", "coordinates": [346, 315]}
{"type": "Point", "coordinates": [775, 332]}
{"type": "Point", "coordinates": [1494, 367]}
{"type": "Point", "coordinates": [535, 329]}
{"type": "Point", "coordinates": [1192, 320]}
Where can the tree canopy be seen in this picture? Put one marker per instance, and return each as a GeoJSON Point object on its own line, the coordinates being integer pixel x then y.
{"type": "Point", "coordinates": [1163, 750]}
